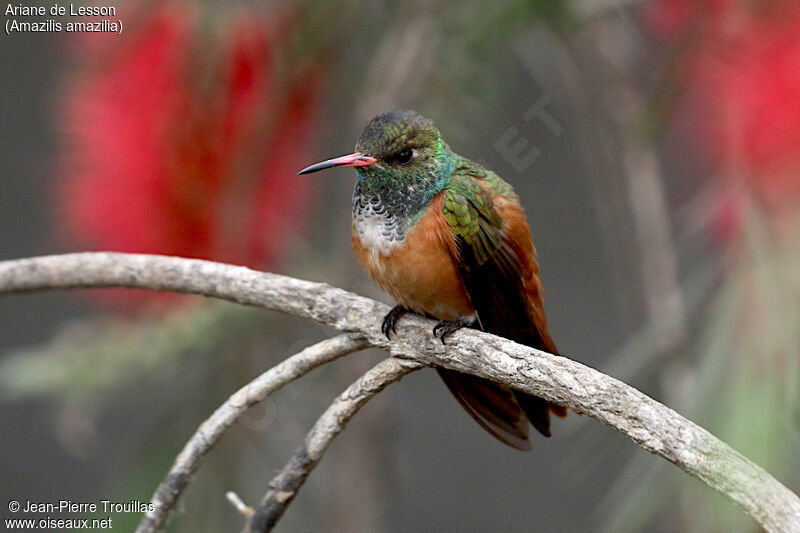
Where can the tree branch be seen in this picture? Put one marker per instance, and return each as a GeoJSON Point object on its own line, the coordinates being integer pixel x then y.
{"type": "Point", "coordinates": [211, 431]}
{"type": "Point", "coordinates": [651, 425]}
{"type": "Point", "coordinates": [284, 486]}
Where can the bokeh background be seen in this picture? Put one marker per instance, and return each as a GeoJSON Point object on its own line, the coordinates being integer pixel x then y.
{"type": "Point", "coordinates": [654, 143]}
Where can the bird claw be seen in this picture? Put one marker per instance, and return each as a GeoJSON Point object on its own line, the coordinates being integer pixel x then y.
{"type": "Point", "coordinates": [448, 327]}
{"type": "Point", "coordinates": [389, 324]}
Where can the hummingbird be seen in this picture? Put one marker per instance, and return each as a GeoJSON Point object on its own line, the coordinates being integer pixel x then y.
{"type": "Point", "coordinates": [448, 240]}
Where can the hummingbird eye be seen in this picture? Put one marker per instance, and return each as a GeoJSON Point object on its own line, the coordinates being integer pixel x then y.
{"type": "Point", "coordinates": [404, 157]}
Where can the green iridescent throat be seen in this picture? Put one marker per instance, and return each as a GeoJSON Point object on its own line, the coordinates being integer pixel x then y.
{"type": "Point", "coordinates": [404, 193]}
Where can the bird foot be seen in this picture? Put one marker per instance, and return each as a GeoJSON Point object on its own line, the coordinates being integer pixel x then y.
{"type": "Point", "coordinates": [445, 328]}
{"type": "Point", "coordinates": [390, 320]}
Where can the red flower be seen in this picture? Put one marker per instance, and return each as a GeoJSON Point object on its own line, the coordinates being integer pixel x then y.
{"type": "Point", "coordinates": [741, 80]}
{"type": "Point", "coordinates": [184, 137]}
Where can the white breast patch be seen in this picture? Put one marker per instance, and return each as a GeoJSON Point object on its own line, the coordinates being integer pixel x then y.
{"type": "Point", "coordinates": [378, 231]}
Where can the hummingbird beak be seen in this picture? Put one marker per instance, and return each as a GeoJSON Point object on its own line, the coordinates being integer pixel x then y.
{"type": "Point", "coordinates": [350, 160]}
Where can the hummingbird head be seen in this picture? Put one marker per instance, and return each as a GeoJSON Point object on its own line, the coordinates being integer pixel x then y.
{"type": "Point", "coordinates": [398, 152]}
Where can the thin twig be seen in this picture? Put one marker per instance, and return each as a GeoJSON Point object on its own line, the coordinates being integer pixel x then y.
{"type": "Point", "coordinates": [211, 431]}
{"type": "Point", "coordinates": [651, 425]}
{"type": "Point", "coordinates": [240, 506]}
{"type": "Point", "coordinates": [284, 486]}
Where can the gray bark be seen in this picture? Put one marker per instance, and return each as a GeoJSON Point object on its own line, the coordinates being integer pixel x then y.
{"type": "Point", "coordinates": [651, 425]}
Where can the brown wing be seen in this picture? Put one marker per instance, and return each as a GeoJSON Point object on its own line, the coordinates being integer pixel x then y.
{"type": "Point", "coordinates": [518, 237]}
{"type": "Point", "coordinates": [496, 260]}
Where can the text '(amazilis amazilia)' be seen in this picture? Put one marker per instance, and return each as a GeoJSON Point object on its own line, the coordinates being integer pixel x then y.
{"type": "Point", "coordinates": [448, 239]}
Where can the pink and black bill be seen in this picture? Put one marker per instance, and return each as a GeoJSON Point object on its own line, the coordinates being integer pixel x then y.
{"type": "Point", "coordinates": [350, 160]}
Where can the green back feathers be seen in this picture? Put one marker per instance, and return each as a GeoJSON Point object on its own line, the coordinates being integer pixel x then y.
{"type": "Point", "coordinates": [469, 207]}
